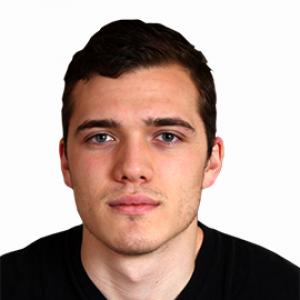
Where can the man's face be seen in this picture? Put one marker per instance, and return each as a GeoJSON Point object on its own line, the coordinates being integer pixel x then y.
{"type": "Point", "coordinates": [136, 157]}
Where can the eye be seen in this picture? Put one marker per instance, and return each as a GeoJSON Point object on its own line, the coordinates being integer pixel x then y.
{"type": "Point", "coordinates": [101, 138]}
{"type": "Point", "coordinates": [168, 137]}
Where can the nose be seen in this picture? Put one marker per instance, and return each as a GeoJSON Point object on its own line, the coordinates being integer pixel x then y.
{"type": "Point", "coordinates": [133, 163]}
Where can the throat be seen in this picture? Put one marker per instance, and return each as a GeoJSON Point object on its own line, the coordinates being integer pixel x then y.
{"type": "Point", "coordinates": [161, 274]}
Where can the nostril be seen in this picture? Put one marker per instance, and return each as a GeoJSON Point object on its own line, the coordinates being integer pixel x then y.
{"type": "Point", "coordinates": [129, 178]}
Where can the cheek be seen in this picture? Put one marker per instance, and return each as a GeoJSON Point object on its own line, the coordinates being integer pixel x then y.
{"type": "Point", "coordinates": [89, 176]}
{"type": "Point", "coordinates": [181, 181]}
{"type": "Point", "coordinates": [87, 167]}
{"type": "Point", "coordinates": [184, 171]}
{"type": "Point", "coordinates": [88, 186]}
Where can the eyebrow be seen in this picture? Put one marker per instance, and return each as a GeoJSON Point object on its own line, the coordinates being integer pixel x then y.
{"type": "Point", "coordinates": [156, 122]}
{"type": "Point", "coordinates": [102, 123]}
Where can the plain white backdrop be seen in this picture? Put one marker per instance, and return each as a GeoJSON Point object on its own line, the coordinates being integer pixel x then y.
{"type": "Point", "coordinates": [253, 48]}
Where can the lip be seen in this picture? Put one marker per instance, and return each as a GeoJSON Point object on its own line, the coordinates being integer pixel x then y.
{"type": "Point", "coordinates": [133, 204]}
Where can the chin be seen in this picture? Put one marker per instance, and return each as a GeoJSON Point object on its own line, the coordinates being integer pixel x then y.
{"type": "Point", "coordinates": [136, 244]}
{"type": "Point", "coordinates": [134, 249]}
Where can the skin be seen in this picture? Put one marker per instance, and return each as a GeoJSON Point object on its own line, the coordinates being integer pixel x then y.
{"type": "Point", "coordinates": [141, 158]}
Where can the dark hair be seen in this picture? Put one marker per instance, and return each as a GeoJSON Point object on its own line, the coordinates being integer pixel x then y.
{"type": "Point", "coordinates": [125, 45]}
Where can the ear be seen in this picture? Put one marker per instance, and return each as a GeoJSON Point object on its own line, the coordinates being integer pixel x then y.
{"type": "Point", "coordinates": [214, 163]}
{"type": "Point", "coordinates": [64, 164]}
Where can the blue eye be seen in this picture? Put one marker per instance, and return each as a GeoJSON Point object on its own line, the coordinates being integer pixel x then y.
{"type": "Point", "coordinates": [168, 137]}
{"type": "Point", "coordinates": [101, 138]}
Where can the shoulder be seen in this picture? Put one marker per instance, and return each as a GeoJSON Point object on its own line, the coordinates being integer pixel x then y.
{"type": "Point", "coordinates": [22, 271]}
{"type": "Point", "coordinates": [252, 267]}
{"type": "Point", "coordinates": [258, 257]}
{"type": "Point", "coordinates": [51, 244]}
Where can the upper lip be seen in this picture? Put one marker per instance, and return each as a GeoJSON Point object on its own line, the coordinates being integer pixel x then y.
{"type": "Point", "coordinates": [133, 200]}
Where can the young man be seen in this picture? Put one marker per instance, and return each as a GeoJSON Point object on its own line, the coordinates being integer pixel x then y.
{"type": "Point", "coordinates": [139, 145]}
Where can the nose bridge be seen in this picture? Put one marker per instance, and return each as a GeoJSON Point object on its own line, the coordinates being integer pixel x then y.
{"type": "Point", "coordinates": [133, 160]}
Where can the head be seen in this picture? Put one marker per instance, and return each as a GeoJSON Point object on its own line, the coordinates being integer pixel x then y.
{"type": "Point", "coordinates": [139, 136]}
{"type": "Point", "coordinates": [126, 45]}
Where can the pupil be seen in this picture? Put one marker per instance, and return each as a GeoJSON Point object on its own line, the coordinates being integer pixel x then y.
{"type": "Point", "coordinates": [101, 137]}
{"type": "Point", "coordinates": [168, 137]}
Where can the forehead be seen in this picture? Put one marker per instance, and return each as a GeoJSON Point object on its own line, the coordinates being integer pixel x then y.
{"type": "Point", "coordinates": [143, 92]}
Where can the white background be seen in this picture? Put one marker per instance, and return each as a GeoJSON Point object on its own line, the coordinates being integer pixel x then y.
{"type": "Point", "coordinates": [253, 48]}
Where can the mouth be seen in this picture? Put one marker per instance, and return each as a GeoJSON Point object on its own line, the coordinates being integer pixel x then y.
{"type": "Point", "coordinates": [133, 205]}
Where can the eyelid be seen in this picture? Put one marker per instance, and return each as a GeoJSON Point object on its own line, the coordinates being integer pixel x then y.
{"type": "Point", "coordinates": [91, 136]}
{"type": "Point", "coordinates": [172, 131]}
{"type": "Point", "coordinates": [177, 135]}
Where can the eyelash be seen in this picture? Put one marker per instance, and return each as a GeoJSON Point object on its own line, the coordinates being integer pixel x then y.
{"type": "Point", "coordinates": [93, 138]}
{"type": "Point", "coordinates": [176, 138]}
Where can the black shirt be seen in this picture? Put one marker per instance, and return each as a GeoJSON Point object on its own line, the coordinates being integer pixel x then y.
{"type": "Point", "coordinates": [226, 268]}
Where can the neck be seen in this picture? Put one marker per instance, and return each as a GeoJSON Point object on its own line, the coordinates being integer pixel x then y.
{"type": "Point", "coordinates": [161, 274]}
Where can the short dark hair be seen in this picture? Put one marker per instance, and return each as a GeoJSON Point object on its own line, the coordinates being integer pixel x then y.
{"type": "Point", "coordinates": [125, 45]}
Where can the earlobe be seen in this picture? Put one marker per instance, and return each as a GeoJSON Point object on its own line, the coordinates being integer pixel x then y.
{"type": "Point", "coordinates": [214, 163]}
{"type": "Point", "coordinates": [64, 164]}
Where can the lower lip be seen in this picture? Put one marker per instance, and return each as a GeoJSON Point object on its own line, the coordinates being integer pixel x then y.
{"type": "Point", "coordinates": [134, 209]}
